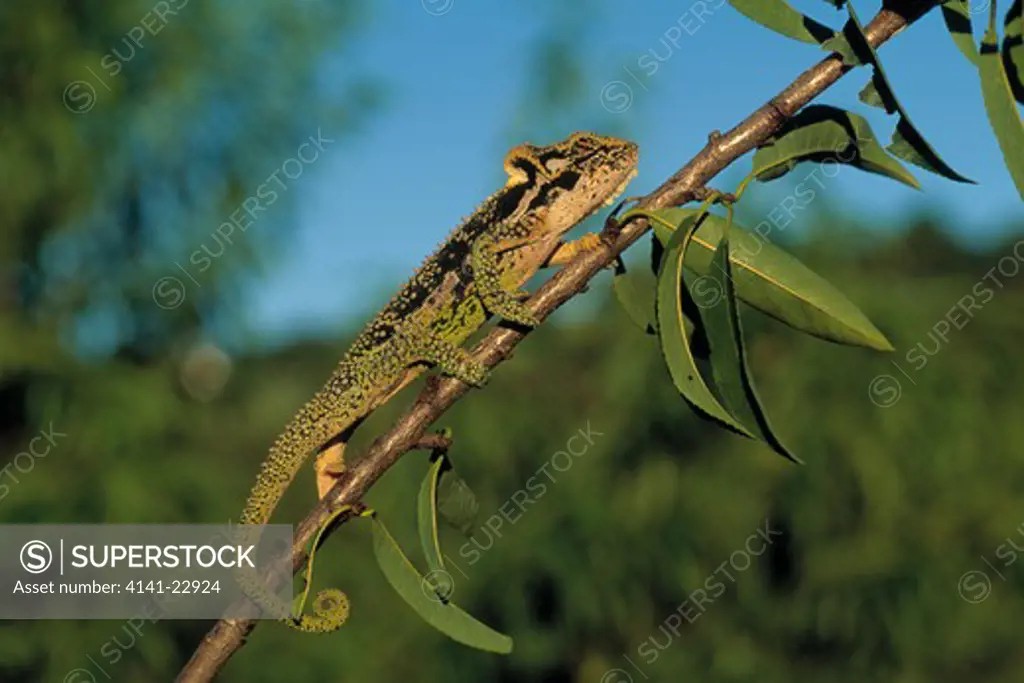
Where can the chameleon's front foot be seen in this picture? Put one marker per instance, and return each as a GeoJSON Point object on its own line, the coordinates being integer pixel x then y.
{"type": "Point", "coordinates": [496, 299]}
{"type": "Point", "coordinates": [567, 251]}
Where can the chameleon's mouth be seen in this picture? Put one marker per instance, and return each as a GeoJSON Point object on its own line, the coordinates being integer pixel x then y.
{"type": "Point", "coordinates": [621, 188]}
{"type": "Point", "coordinates": [614, 194]}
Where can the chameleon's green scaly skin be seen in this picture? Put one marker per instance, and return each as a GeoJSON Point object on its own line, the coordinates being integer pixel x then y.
{"type": "Point", "coordinates": [477, 272]}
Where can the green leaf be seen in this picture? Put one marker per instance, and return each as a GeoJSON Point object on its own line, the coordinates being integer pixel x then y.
{"type": "Point", "coordinates": [957, 16]}
{"type": "Point", "coordinates": [870, 95]}
{"type": "Point", "coordinates": [444, 616]}
{"type": "Point", "coordinates": [456, 502]}
{"type": "Point", "coordinates": [840, 45]}
{"type": "Point", "coordinates": [1013, 48]}
{"type": "Point", "coordinates": [675, 343]}
{"type": "Point", "coordinates": [426, 516]}
{"type": "Point", "coordinates": [778, 16]}
{"type": "Point", "coordinates": [665, 222]}
{"type": "Point", "coordinates": [299, 602]}
{"type": "Point", "coordinates": [635, 291]}
{"type": "Point", "coordinates": [728, 357]}
{"type": "Point", "coordinates": [774, 282]}
{"type": "Point", "coordinates": [821, 133]}
{"type": "Point", "coordinates": [907, 142]}
{"type": "Point", "coordinates": [1000, 106]}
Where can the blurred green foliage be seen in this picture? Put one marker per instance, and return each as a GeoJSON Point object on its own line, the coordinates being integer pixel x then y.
{"type": "Point", "coordinates": [870, 540]}
{"type": "Point", "coordinates": [894, 506]}
{"type": "Point", "coordinates": [129, 131]}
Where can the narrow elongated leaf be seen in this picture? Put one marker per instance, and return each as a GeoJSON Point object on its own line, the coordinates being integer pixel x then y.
{"type": "Point", "coordinates": [666, 224]}
{"type": "Point", "coordinates": [907, 142]}
{"type": "Point", "coordinates": [634, 290]}
{"type": "Point", "coordinates": [456, 502]}
{"type": "Point", "coordinates": [825, 134]}
{"type": "Point", "coordinates": [1000, 106]}
{"type": "Point", "coordinates": [426, 516]}
{"type": "Point", "coordinates": [728, 357]}
{"type": "Point", "coordinates": [774, 282]}
{"type": "Point", "coordinates": [1013, 49]}
{"type": "Point", "coordinates": [957, 16]}
{"type": "Point", "coordinates": [675, 342]}
{"type": "Point", "coordinates": [778, 16]}
{"type": "Point", "coordinates": [444, 616]}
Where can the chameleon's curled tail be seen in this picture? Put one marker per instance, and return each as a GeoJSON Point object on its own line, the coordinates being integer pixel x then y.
{"type": "Point", "coordinates": [330, 606]}
{"type": "Point", "coordinates": [306, 433]}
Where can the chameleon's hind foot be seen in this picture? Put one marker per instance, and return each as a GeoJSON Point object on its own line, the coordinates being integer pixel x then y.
{"type": "Point", "coordinates": [329, 466]}
{"type": "Point", "coordinates": [509, 307]}
{"type": "Point", "coordinates": [455, 361]}
{"type": "Point", "coordinates": [470, 371]}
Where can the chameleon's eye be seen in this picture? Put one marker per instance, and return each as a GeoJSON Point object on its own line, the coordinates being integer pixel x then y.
{"type": "Point", "coordinates": [564, 182]}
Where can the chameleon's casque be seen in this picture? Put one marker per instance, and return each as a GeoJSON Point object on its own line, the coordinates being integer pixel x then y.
{"type": "Point", "coordinates": [474, 274]}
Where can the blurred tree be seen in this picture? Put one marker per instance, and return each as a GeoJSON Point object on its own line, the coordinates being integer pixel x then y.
{"type": "Point", "coordinates": [129, 133]}
{"type": "Point", "coordinates": [138, 142]}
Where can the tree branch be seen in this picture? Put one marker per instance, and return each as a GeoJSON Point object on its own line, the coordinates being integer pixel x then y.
{"type": "Point", "coordinates": [227, 636]}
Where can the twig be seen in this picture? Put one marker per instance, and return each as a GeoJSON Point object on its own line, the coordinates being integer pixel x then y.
{"type": "Point", "coordinates": [227, 636]}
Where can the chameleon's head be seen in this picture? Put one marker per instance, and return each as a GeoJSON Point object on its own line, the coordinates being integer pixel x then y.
{"type": "Point", "coordinates": [575, 177]}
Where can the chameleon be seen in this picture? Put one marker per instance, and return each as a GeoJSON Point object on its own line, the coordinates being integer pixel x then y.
{"type": "Point", "coordinates": [476, 273]}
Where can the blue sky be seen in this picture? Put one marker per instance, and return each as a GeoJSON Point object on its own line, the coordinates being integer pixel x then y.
{"type": "Point", "coordinates": [375, 205]}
